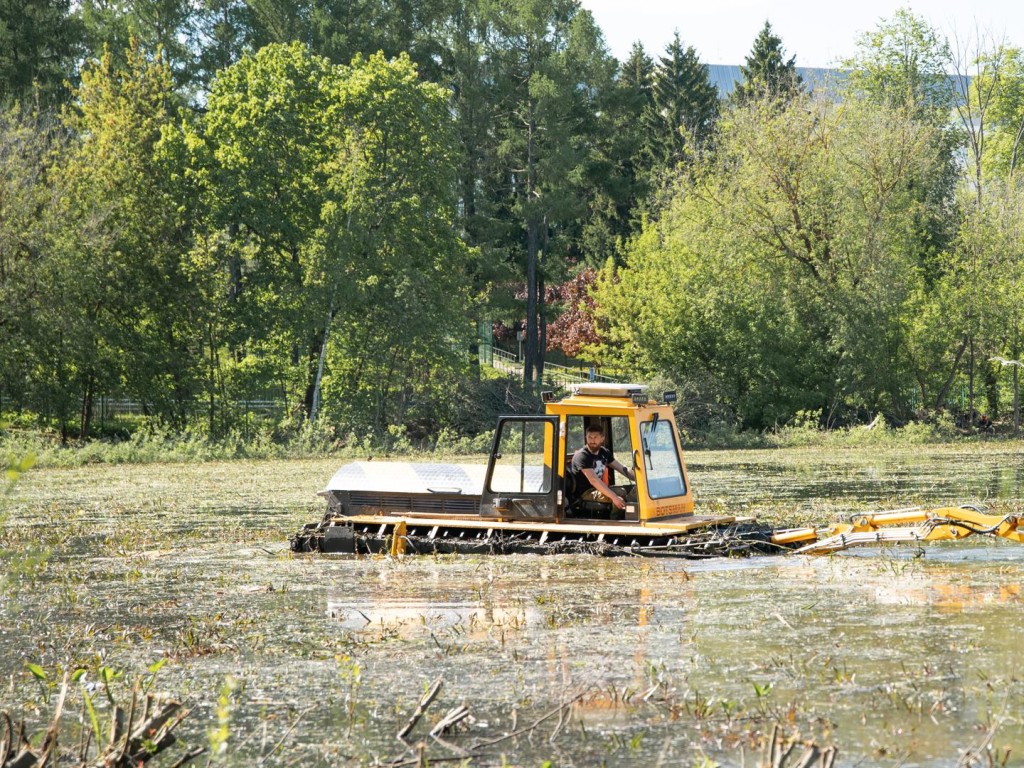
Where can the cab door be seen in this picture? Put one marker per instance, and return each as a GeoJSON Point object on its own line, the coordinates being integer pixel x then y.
{"type": "Point", "coordinates": [521, 481]}
{"type": "Point", "coordinates": [666, 489]}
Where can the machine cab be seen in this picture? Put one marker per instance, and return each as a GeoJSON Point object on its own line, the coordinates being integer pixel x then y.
{"type": "Point", "coordinates": [529, 478]}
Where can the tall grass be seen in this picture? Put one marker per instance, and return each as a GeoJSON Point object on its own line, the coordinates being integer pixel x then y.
{"type": "Point", "coordinates": [151, 442]}
{"type": "Point", "coordinates": [804, 431]}
{"type": "Point", "coordinates": [154, 443]}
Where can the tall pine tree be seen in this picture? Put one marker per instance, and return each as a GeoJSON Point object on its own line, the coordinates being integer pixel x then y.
{"type": "Point", "coordinates": [617, 176]}
{"type": "Point", "coordinates": [37, 40]}
{"type": "Point", "coordinates": [550, 65]}
{"type": "Point", "coordinates": [682, 117]}
{"type": "Point", "coordinates": [164, 26]}
{"type": "Point", "coordinates": [766, 73]}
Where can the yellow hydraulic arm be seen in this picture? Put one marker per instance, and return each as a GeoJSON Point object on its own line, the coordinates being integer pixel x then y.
{"type": "Point", "coordinates": [914, 524]}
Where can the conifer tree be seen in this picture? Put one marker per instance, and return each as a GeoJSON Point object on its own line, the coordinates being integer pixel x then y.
{"type": "Point", "coordinates": [637, 73]}
{"type": "Point", "coordinates": [617, 176]}
{"type": "Point", "coordinates": [684, 109]}
{"type": "Point", "coordinates": [549, 67]}
{"type": "Point", "coordinates": [162, 27]}
{"type": "Point", "coordinates": [37, 40]}
{"type": "Point", "coordinates": [766, 72]}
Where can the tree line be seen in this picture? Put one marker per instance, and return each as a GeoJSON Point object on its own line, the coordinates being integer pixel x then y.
{"type": "Point", "coordinates": [317, 202]}
{"type": "Point", "coordinates": [843, 256]}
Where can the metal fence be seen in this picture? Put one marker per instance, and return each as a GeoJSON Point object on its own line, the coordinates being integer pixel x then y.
{"type": "Point", "coordinates": [555, 375]}
{"type": "Point", "coordinates": [112, 408]}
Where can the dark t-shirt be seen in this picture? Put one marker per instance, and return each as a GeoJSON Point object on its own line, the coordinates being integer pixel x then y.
{"type": "Point", "coordinates": [584, 459]}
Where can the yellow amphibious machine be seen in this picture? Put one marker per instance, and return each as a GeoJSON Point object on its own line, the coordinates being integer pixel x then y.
{"type": "Point", "coordinates": [525, 500]}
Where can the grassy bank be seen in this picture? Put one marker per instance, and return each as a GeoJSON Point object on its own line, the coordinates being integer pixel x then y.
{"type": "Point", "coordinates": [149, 443]}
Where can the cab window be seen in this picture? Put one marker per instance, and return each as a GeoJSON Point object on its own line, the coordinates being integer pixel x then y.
{"type": "Point", "coordinates": [616, 430]}
{"type": "Point", "coordinates": [519, 464]}
{"type": "Point", "coordinates": [661, 460]}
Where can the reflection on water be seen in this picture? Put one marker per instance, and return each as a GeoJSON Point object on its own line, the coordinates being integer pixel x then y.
{"type": "Point", "coordinates": [906, 656]}
{"type": "Point", "coordinates": [896, 658]}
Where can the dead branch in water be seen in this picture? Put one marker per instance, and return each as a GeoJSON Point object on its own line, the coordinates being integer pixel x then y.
{"type": "Point", "coordinates": [777, 752]}
{"type": "Point", "coordinates": [460, 713]}
{"type": "Point", "coordinates": [127, 747]}
{"type": "Point", "coordinates": [425, 702]}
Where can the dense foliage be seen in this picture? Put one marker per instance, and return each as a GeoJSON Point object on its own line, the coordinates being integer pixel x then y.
{"type": "Point", "coordinates": [783, 273]}
{"type": "Point", "coordinates": [308, 209]}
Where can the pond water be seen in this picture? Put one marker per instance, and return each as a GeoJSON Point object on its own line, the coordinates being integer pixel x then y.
{"type": "Point", "coordinates": [902, 656]}
{"type": "Point", "coordinates": [814, 484]}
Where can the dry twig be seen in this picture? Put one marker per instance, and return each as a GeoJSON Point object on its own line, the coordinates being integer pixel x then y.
{"type": "Point", "coordinates": [450, 720]}
{"type": "Point", "coordinates": [421, 707]}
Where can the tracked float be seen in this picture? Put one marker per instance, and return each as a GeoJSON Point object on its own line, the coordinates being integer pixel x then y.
{"type": "Point", "coordinates": [529, 499]}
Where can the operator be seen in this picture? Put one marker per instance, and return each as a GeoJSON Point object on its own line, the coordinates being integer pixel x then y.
{"type": "Point", "coordinates": [588, 469]}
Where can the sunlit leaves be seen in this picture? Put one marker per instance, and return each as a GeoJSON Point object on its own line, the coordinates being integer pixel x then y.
{"type": "Point", "coordinates": [904, 63]}
{"type": "Point", "coordinates": [118, 323]}
{"type": "Point", "coordinates": [1002, 75]}
{"type": "Point", "coordinates": [17, 467]}
{"type": "Point", "coordinates": [779, 278]}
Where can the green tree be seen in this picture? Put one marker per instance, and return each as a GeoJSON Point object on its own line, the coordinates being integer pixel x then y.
{"type": "Point", "coordinates": [990, 236]}
{"type": "Point", "coordinates": [707, 320]}
{"type": "Point", "coordinates": [38, 39]}
{"type": "Point", "coordinates": [550, 64]}
{"type": "Point", "coordinates": [28, 143]}
{"type": "Point", "coordinates": [637, 75]}
{"type": "Point", "coordinates": [779, 276]}
{"type": "Point", "coordinates": [220, 35]}
{"type": "Point", "coordinates": [904, 63]}
{"type": "Point", "coordinates": [680, 121]}
{"type": "Point", "coordinates": [618, 177]}
{"type": "Point", "coordinates": [157, 25]}
{"type": "Point", "coordinates": [972, 253]}
{"type": "Point", "coordinates": [998, 82]}
{"type": "Point", "coordinates": [470, 72]}
{"type": "Point", "coordinates": [767, 73]}
{"type": "Point", "coordinates": [106, 25]}
{"type": "Point", "coordinates": [118, 318]}
{"type": "Point", "coordinates": [340, 29]}
{"type": "Point", "coordinates": [262, 164]}
{"type": "Point", "coordinates": [403, 321]}
{"type": "Point", "coordinates": [332, 189]}
{"type": "Point", "coordinates": [982, 289]}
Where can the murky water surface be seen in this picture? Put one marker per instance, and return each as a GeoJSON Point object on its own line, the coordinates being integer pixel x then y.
{"type": "Point", "coordinates": [897, 657]}
{"type": "Point", "coordinates": [812, 478]}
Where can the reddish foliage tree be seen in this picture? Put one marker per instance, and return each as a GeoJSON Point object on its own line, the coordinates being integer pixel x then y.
{"type": "Point", "coordinates": [504, 333]}
{"type": "Point", "coordinates": [575, 327]}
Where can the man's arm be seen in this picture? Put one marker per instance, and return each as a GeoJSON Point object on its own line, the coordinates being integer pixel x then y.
{"type": "Point", "coordinates": [603, 488]}
{"type": "Point", "coordinates": [618, 466]}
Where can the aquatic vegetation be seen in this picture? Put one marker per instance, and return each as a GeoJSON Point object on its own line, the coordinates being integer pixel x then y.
{"type": "Point", "coordinates": [882, 655]}
{"type": "Point", "coordinates": [138, 731]}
